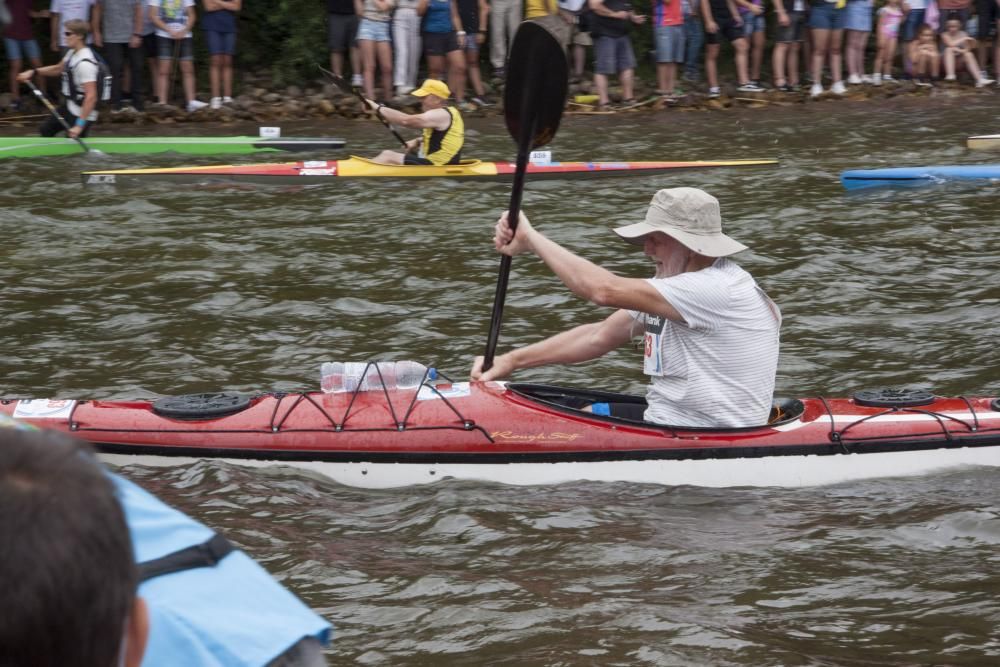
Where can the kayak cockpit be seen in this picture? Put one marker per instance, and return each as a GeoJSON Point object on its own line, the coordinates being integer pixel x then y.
{"type": "Point", "coordinates": [570, 399]}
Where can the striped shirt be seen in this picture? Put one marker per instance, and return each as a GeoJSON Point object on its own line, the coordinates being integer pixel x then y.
{"type": "Point", "coordinates": [718, 366]}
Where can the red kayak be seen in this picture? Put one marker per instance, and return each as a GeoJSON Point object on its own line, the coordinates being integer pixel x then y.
{"type": "Point", "coordinates": [525, 434]}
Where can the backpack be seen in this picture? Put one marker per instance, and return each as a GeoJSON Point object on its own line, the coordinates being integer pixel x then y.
{"type": "Point", "coordinates": [103, 80]}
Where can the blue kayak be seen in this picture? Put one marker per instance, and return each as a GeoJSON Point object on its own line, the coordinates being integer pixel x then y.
{"type": "Point", "coordinates": [854, 179]}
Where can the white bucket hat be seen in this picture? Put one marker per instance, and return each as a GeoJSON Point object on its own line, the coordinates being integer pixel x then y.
{"type": "Point", "coordinates": [689, 215]}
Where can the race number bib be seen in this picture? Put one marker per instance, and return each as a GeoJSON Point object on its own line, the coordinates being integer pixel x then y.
{"type": "Point", "coordinates": [652, 355]}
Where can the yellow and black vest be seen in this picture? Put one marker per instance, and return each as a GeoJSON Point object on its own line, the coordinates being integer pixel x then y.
{"type": "Point", "coordinates": [445, 146]}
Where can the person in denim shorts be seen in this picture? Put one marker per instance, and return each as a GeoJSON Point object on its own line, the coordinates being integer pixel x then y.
{"type": "Point", "coordinates": [857, 28]}
{"type": "Point", "coordinates": [668, 27]}
{"type": "Point", "coordinates": [19, 44]}
{"type": "Point", "coordinates": [375, 44]}
{"type": "Point", "coordinates": [911, 26]}
{"type": "Point", "coordinates": [722, 20]}
{"type": "Point", "coordinates": [826, 21]}
{"type": "Point", "coordinates": [788, 38]}
{"type": "Point", "coordinates": [218, 24]}
{"type": "Point", "coordinates": [755, 30]}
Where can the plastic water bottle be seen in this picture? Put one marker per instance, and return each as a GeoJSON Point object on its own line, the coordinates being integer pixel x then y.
{"type": "Point", "coordinates": [339, 376]}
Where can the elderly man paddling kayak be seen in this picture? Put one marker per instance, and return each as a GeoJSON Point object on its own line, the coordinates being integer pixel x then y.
{"type": "Point", "coordinates": [442, 125]}
{"type": "Point", "coordinates": [710, 333]}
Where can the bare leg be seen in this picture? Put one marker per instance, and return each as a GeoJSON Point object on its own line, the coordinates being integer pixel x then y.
{"type": "Point", "coordinates": [601, 83]}
{"type": "Point", "coordinates": [337, 62]}
{"type": "Point", "coordinates": [227, 75]}
{"type": "Point", "coordinates": [836, 39]}
{"type": "Point", "coordinates": [383, 52]}
{"type": "Point", "coordinates": [627, 78]}
{"type": "Point", "coordinates": [389, 157]}
{"type": "Point", "coordinates": [215, 75]}
{"type": "Point", "coordinates": [778, 63]}
{"type": "Point", "coordinates": [367, 48]}
{"type": "Point", "coordinates": [187, 75]}
{"type": "Point", "coordinates": [161, 80]}
{"type": "Point", "coordinates": [741, 47]}
{"type": "Point", "coordinates": [821, 39]}
{"type": "Point", "coordinates": [456, 75]}
{"type": "Point", "coordinates": [712, 65]}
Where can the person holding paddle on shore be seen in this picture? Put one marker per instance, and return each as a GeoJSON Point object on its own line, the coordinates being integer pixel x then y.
{"type": "Point", "coordinates": [710, 334]}
{"type": "Point", "coordinates": [79, 71]}
{"type": "Point", "coordinates": [443, 128]}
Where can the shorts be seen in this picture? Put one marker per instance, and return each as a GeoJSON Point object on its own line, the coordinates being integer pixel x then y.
{"type": "Point", "coordinates": [581, 37]}
{"type": "Point", "coordinates": [471, 45]}
{"type": "Point", "coordinates": [167, 48]}
{"type": "Point", "coordinates": [858, 16]}
{"type": "Point", "coordinates": [21, 49]}
{"type": "Point", "coordinates": [794, 31]}
{"type": "Point", "coordinates": [727, 29]}
{"type": "Point", "coordinates": [825, 16]}
{"type": "Point", "coordinates": [410, 158]}
{"type": "Point", "coordinates": [340, 31]}
{"type": "Point", "coordinates": [988, 13]}
{"type": "Point", "coordinates": [439, 43]}
{"type": "Point", "coordinates": [669, 43]}
{"type": "Point", "coordinates": [149, 48]}
{"type": "Point", "coordinates": [911, 23]}
{"type": "Point", "coordinates": [373, 31]}
{"type": "Point", "coordinates": [221, 43]}
{"type": "Point", "coordinates": [752, 24]}
{"type": "Point", "coordinates": [613, 55]}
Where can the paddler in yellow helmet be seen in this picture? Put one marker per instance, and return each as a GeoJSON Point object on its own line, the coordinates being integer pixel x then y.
{"type": "Point", "coordinates": [442, 125]}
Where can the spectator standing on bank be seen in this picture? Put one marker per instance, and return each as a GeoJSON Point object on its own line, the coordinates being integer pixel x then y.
{"type": "Point", "coordinates": [791, 19]}
{"type": "Point", "coordinates": [723, 20]}
{"type": "Point", "coordinates": [342, 28]}
{"type": "Point", "coordinates": [406, 46]}
{"type": "Point", "coordinates": [826, 23]}
{"type": "Point", "coordinates": [987, 35]}
{"type": "Point", "coordinates": [219, 26]}
{"type": "Point", "coordinates": [694, 39]}
{"type": "Point", "coordinates": [173, 20]}
{"type": "Point", "coordinates": [613, 52]}
{"type": "Point", "coordinates": [474, 15]}
{"type": "Point", "coordinates": [504, 17]}
{"type": "Point", "coordinates": [911, 24]}
{"type": "Point", "coordinates": [120, 35]}
{"type": "Point", "coordinates": [755, 30]}
{"type": "Point", "coordinates": [577, 15]}
{"type": "Point", "coordinates": [61, 11]}
{"type": "Point", "coordinates": [444, 43]}
{"type": "Point", "coordinates": [668, 33]}
{"type": "Point", "coordinates": [19, 44]}
{"type": "Point", "coordinates": [375, 44]}
{"type": "Point", "coordinates": [857, 28]}
{"type": "Point", "coordinates": [890, 17]}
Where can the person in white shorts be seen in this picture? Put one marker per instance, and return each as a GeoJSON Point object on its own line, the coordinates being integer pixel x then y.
{"type": "Point", "coordinates": [710, 333]}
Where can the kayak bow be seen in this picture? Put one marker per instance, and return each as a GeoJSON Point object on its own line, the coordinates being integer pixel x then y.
{"type": "Point", "coordinates": [984, 142]}
{"type": "Point", "coordinates": [325, 171]}
{"type": "Point", "coordinates": [857, 179]}
{"type": "Point", "coordinates": [528, 434]}
{"type": "Point", "coordinates": [50, 146]}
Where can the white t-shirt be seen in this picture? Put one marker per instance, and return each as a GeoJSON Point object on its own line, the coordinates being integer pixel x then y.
{"type": "Point", "coordinates": [173, 13]}
{"type": "Point", "coordinates": [70, 9]}
{"type": "Point", "coordinates": [717, 369]}
{"type": "Point", "coordinates": [83, 72]}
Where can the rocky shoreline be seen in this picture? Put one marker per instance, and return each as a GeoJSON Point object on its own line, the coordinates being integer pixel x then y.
{"type": "Point", "coordinates": [263, 103]}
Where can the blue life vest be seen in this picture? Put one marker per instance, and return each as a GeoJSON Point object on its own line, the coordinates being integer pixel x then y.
{"type": "Point", "coordinates": [230, 614]}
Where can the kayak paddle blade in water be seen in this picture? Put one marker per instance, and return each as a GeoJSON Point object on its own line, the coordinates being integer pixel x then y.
{"type": "Point", "coordinates": [534, 99]}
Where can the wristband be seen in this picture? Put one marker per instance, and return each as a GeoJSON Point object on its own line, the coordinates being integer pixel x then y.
{"type": "Point", "coordinates": [80, 122]}
{"type": "Point", "coordinates": [460, 32]}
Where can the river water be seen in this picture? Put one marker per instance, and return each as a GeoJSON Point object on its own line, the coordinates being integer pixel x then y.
{"type": "Point", "coordinates": [160, 289]}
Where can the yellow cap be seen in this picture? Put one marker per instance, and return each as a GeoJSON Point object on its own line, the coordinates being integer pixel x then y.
{"type": "Point", "coordinates": [433, 87]}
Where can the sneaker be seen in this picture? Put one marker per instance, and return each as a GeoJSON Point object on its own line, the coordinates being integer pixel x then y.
{"type": "Point", "coordinates": [866, 79]}
{"type": "Point", "coordinates": [816, 90]}
{"type": "Point", "coordinates": [227, 100]}
{"type": "Point", "coordinates": [750, 87]}
{"type": "Point", "coordinates": [194, 105]}
{"type": "Point", "coordinates": [950, 77]}
{"type": "Point", "coordinates": [854, 80]}
{"type": "Point", "coordinates": [466, 106]}
{"type": "Point", "coordinates": [983, 82]}
{"type": "Point", "coordinates": [357, 80]}
{"type": "Point", "coordinates": [691, 77]}
{"type": "Point", "coordinates": [714, 92]}
{"type": "Point", "coordinates": [483, 101]}
{"type": "Point", "coordinates": [838, 88]}
{"type": "Point", "coordinates": [876, 79]}
{"type": "Point", "coordinates": [404, 90]}
{"type": "Point", "coordinates": [498, 73]}
{"type": "Point", "coordinates": [215, 103]}
{"type": "Point", "coordinates": [888, 78]}
{"type": "Point", "coordinates": [924, 83]}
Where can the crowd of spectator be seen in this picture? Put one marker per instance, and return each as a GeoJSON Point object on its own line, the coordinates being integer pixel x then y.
{"type": "Point", "coordinates": [385, 45]}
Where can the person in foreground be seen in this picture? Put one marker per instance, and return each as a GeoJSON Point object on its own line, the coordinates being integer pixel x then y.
{"type": "Point", "coordinates": [69, 578]}
{"type": "Point", "coordinates": [443, 128]}
{"type": "Point", "coordinates": [710, 333]}
{"type": "Point", "coordinates": [78, 69]}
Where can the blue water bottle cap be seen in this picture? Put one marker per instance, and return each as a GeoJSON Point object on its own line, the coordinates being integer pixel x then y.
{"type": "Point", "coordinates": [432, 374]}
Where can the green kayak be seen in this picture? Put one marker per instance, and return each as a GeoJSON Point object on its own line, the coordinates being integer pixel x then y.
{"type": "Point", "coordinates": [47, 146]}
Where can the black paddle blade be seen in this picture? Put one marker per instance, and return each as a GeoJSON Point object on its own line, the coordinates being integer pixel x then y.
{"type": "Point", "coordinates": [537, 85]}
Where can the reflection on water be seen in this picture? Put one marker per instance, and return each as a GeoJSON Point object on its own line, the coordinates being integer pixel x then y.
{"type": "Point", "coordinates": [168, 289]}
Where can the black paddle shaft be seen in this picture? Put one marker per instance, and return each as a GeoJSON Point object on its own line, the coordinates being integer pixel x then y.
{"type": "Point", "coordinates": [341, 82]}
{"type": "Point", "coordinates": [534, 99]}
{"type": "Point", "coordinates": [55, 112]}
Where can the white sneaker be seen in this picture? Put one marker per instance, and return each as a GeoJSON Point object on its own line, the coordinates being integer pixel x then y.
{"type": "Point", "coordinates": [357, 80]}
{"type": "Point", "coordinates": [888, 78]}
{"type": "Point", "coordinates": [983, 82]}
{"type": "Point", "coordinates": [838, 88]}
{"type": "Point", "coordinates": [714, 92]}
{"type": "Point", "coordinates": [816, 90]}
{"type": "Point", "coordinates": [950, 77]}
{"type": "Point", "coordinates": [854, 80]}
{"type": "Point", "coordinates": [215, 103]}
{"type": "Point", "coordinates": [227, 100]}
{"type": "Point", "coordinates": [876, 79]}
{"type": "Point", "coordinates": [194, 105]}
{"type": "Point", "coordinates": [866, 79]}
